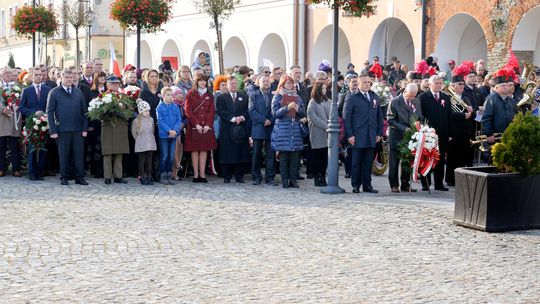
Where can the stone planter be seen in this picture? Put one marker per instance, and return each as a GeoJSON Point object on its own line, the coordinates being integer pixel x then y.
{"type": "Point", "coordinates": [491, 201]}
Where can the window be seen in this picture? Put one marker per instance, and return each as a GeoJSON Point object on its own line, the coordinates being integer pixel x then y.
{"type": "Point", "coordinates": [3, 25]}
{"type": "Point", "coordinates": [9, 21]}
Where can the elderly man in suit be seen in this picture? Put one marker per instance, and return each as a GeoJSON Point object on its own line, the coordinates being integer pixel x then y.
{"type": "Point", "coordinates": [260, 112]}
{"type": "Point", "coordinates": [363, 120]}
{"type": "Point", "coordinates": [403, 110]}
{"type": "Point", "coordinates": [66, 110]}
{"type": "Point", "coordinates": [437, 111]}
{"type": "Point", "coordinates": [34, 100]}
{"type": "Point", "coordinates": [232, 108]}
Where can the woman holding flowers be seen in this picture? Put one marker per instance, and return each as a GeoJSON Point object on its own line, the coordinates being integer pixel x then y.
{"type": "Point", "coordinates": [10, 129]}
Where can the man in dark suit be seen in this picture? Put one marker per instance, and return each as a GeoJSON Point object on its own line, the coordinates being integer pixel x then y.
{"type": "Point", "coordinates": [363, 120]}
{"type": "Point", "coordinates": [232, 108]}
{"type": "Point", "coordinates": [260, 112]}
{"type": "Point", "coordinates": [34, 99]}
{"type": "Point", "coordinates": [403, 110]}
{"type": "Point", "coordinates": [460, 151]}
{"type": "Point", "coordinates": [87, 73]}
{"type": "Point", "coordinates": [437, 111]}
{"type": "Point", "coordinates": [66, 110]}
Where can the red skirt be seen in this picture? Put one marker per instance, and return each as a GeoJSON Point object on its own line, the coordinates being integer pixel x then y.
{"type": "Point", "coordinates": [195, 143]}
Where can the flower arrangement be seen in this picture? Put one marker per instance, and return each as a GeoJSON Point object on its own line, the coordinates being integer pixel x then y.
{"type": "Point", "coordinates": [36, 132]}
{"type": "Point", "coordinates": [420, 149]}
{"type": "Point", "coordinates": [354, 8]}
{"type": "Point", "coordinates": [111, 106]}
{"type": "Point", "coordinates": [383, 90]}
{"type": "Point", "coordinates": [11, 98]}
{"type": "Point", "coordinates": [29, 20]}
{"type": "Point", "coordinates": [132, 92]}
{"type": "Point", "coordinates": [148, 14]}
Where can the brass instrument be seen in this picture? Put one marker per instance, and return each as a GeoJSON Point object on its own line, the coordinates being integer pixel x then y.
{"type": "Point", "coordinates": [528, 87]}
{"type": "Point", "coordinates": [458, 105]}
{"type": "Point", "coordinates": [484, 139]}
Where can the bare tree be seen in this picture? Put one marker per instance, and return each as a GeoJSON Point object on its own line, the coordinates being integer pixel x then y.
{"type": "Point", "coordinates": [75, 14]}
{"type": "Point", "coordinates": [218, 10]}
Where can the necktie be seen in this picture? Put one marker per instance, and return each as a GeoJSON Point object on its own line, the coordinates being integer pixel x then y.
{"type": "Point", "coordinates": [69, 91]}
{"type": "Point", "coordinates": [38, 90]}
{"type": "Point", "coordinates": [366, 96]}
{"type": "Point", "coordinates": [436, 95]}
{"type": "Point", "coordinates": [233, 97]}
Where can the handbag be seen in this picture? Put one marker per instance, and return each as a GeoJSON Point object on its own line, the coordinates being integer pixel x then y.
{"type": "Point", "coordinates": [201, 137]}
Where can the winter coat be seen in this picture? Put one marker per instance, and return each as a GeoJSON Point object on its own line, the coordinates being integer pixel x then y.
{"type": "Point", "coordinates": [169, 118]}
{"type": "Point", "coordinates": [143, 134]}
{"type": "Point", "coordinates": [260, 110]}
{"type": "Point", "coordinates": [498, 114]}
{"type": "Point", "coordinates": [7, 123]}
{"type": "Point", "coordinates": [286, 135]}
{"type": "Point", "coordinates": [200, 110]}
{"type": "Point", "coordinates": [318, 114]}
{"type": "Point", "coordinates": [114, 138]}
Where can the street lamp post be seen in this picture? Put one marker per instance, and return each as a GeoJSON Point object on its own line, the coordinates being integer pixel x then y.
{"type": "Point", "coordinates": [333, 122]}
{"type": "Point", "coordinates": [34, 40]}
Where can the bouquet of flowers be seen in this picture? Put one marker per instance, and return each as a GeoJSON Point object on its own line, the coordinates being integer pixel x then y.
{"type": "Point", "coordinates": [132, 92]}
{"type": "Point", "coordinates": [111, 106]}
{"type": "Point", "coordinates": [36, 131]}
{"type": "Point", "coordinates": [11, 98]}
{"type": "Point", "coordinates": [383, 90]}
{"type": "Point", "coordinates": [420, 148]}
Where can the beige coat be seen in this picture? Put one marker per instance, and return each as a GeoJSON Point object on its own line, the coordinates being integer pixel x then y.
{"type": "Point", "coordinates": [114, 138]}
{"type": "Point", "coordinates": [318, 114]}
{"type": "Point", "coordinates": [7, 123]}
{"type": "Point", "coordinates": [144, 134]}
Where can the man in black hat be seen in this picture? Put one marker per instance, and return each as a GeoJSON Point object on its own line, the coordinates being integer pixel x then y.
{"type": "Point", "coordinates": [499, 110]}
{"type": "Point", "coordinates": [460, 151]}
{"type": "Point", "coordinates": [232, 108]}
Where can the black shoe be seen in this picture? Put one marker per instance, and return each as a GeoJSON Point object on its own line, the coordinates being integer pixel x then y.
{"type": "Point", "coordinates": [108, 181]}
{"type": "Point", "coordinates": [309, 176]}
{"type": "Point", "coordinates": [203, 180]}
{"type": "Point", "coordinates": [425, 188]}
{"type": "Point", "coordinates": [226, 181]}
{"type": "Point", "coordinates": [300, 177]}
{"type": "Point", "coordinates": [120, 181]}
{"type": "Point", "coordinates": [143, 180]}
{"type": "Point", "coordinates": [40, 178]}
{"type": "Point", "coordinates": [64, 182]}
{"type": "Point", "coordinates": [441, 188]}
{"type": "Point", "coordinates": [370, 190]}
{"type": "Point", "coordinates": [81, 181]}
{"type": "Point", "coordinates": [256, 182]}
{"type": "Point", "coordinates": [347, 175]}
{"type": "Point", "coordinates": [240, 181]}
{"type": "Point", "coordinates": [149, 180]}
{"type": "Point", "coordinates": [356, 189]}
{"type": "Point", "coordinates": [285, 183]}
{"type": "Point", "coordinates": [32, 178]}
{"type": "Point", "coordinates": [451, 184]}
{"type": "Point", "coordinates": [323, 182]}
{"type": "Point", "coordinates": [317, 182]}
{"type": "Point", "coordinates": [294, 184]}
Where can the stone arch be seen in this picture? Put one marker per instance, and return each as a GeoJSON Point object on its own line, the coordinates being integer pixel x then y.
{"type": "Point", "coordinates": [273, 49]}
{"type": "Point", "coordinates": [526, 39]}
{"type": "Point", "coordinates": [461, 38]}
{"type": "Point", "coordinates": [171, 52]}
{"type": "Point", "coordinates": [392, 38]}
{"type": "Point", "coordinates": [322, 49]}
{"type": "Point", "coordinates": [147, 59]}
{"type": "Point", "coordinates": [234, 53]}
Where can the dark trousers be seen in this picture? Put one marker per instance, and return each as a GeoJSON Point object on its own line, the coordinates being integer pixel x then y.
{"type": "Point", "coordinates": [348, 160]}
{"type": "Point", "coordinates": [394, 163]}
{"type": "Point", "coordinates": [145, 163]}
{"type": "Point", "coordinates": [258, 146]}
{"type": "Point", "coordinates": [319, 161]}
{"type": "Point", "coordinates": [362, 163]}
{"type": "Point", "coordinates": [71, 144]}
{"type": "Point", "coordinates": [36, 162]}
{"type": "Point", "coordinates": [288, 165]}
{"type": "Point", "coordinates": [52, 164]}
{"type": "Point", "coordinates": [459, 155]}
{"type": "Point", "coordinates": [227, 170]}
{"type": "Point", "coordinates": [11, 143]}
{"type": "Point", "coordinates": [438, 172]}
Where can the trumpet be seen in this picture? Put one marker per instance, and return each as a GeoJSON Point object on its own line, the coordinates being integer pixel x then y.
{"type": "Point", "coordinates": [458, 105]}
{"type": "Point", "coordinates": [483, 138]}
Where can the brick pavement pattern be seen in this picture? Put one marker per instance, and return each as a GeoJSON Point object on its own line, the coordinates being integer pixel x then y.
{"type": "Point", "coordinates": [217, 243]}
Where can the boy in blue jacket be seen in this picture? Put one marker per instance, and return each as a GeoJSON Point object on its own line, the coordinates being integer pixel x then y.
{"type": "Point", "coordinates": [169, 120]}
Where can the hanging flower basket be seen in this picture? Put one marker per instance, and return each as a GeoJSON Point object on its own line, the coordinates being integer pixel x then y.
{"type": "Point", "coordinates": [148, 14]}
{"type": "Point", "coordinates": [29, 20]}
{"type": "Point", "coordinates": [351, 8]}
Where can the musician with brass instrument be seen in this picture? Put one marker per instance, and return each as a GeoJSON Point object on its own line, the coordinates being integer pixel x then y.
{"type": "Point", "coordinates": [526, 102]}
{"type": "Point", "coordinates": [460, 151]}
{"type": "Point", "coordinates": [499, 110]}
{"type": "Point", "coordinates": [402, 110]}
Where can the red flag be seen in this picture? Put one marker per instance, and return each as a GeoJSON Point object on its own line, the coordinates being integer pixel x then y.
{"type": "Point", "coordinates": [114, 67]}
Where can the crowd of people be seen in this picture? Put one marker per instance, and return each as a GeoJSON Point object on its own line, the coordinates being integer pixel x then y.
{"type": "Point", "coordinates": [191, 122]}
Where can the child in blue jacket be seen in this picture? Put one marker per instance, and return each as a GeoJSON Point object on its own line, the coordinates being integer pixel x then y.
{"type": "Point", "coordinates": [169, 120]}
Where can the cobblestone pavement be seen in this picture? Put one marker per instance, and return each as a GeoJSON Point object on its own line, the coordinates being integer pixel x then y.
{"type": "Point", "coordinates": [218, 243]}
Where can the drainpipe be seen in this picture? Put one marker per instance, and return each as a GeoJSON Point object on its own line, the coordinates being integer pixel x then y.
{"type": "Point", "coordinates": [302, 29]}
{"type": "Point", "coordinates": [424, 27]}
{"type": "Point", "coordinates": [295, 31]}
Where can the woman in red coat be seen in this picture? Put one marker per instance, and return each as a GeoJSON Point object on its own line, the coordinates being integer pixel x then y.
{"type": "Point", "coordinates": [200, 138]}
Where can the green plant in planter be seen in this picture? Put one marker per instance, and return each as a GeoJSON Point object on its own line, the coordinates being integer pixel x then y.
{"type": "Point", "coordinates": [519, 150]}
